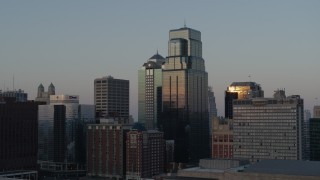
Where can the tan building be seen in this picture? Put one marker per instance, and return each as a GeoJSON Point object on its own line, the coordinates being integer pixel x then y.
{"type": "Point", "coordinates": [316, 112]}
{"type": "Point", "coordinates": [222, 138]}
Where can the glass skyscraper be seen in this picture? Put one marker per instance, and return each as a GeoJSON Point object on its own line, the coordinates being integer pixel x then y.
{"type": "Point", "coordinates": [184, 116]}
{"type": "Point", "coordinates": [150, 91]}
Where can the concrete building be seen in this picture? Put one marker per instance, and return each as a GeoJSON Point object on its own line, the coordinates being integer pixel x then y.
{"type": "Point", "coordinates": [240, 90]}
{"type": "Point", "coordinates": [106, 150]}
{"type": "Point", "coordinates": [150, 91]}
{"type": "Point", "coordinates": [315, 139]}
{"type": "Point", "coordinates": [19, 95]}
{"type": "Point", "coordinates": [222, 138]}
{"type": "Point", "coordinates": [18, 135]}
{"type": "Point", "coordinates": [269, 128]}
{"type": "Point", "coordinates": [316, 112]}
{"type": "Point", "coordinates": [184, 116]}
{"type": "Point", "coordinates": [306, 119]}
{"type": "Point", "coordinates": [145, 154]}
{"type": "Point", "coordinates": [241, 170]}
{"type": "Point", "coordinates": [43, 96]}
{"type": "Point", "coordinates": [111, 98]}
{"type": "Point", "coordinates": [61, 129]}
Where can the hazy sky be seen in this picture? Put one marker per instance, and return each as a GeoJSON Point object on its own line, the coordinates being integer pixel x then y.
{"type": "Point", "coordinates": [70, 43]}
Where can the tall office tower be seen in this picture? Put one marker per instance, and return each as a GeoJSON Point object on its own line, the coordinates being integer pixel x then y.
{"type": "Point", "coordinates": [111, 98]}
{"type": "Point", "coordinates": [150, 91]}
{"type": "Point", "coordinates": [315, 139]}
{"type": "Point", "coordinates": [212, 113]}
{"type": "Point", "coordinates": [145, 154]}
{"type": "Point", "coordinates": [18, 135]}
{"type": "Point", "coordinates": [222, 138]}
{"type": "Point", "coordinates": [306, 119]}
{"type": "Point", "coordinates": [269, 128]}
{"type": "Point", "coordinates": [316, 112]}
{"type": "Point", "coordinates": [18, 96]}
{"type": "Point", "coordinates": [43, 96]}
{"type": "Point", "coordinates": [184, 116]}
{"type": "Point", "coordinates": [106, 150]}
{"type": "Point", "coordinates": [240, 90]}
{"type": "Point", "coordinates": [61, 129]}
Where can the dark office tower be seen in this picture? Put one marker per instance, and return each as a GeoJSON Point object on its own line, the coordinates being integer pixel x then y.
{"type": "Point", "coordinates": [150, 91]}
{"type": "Point", "coordinates": [315, 139]}
{"type": "Point", "coordinates": [18, 96]}
{"type": "Point", "coordinates": [240, 90]}
{"type": "Point", "coordinates": [111, 98]}
{"type": "Point", "coordinates": [18, 135]}
{"type": "Point", "coordinates": [184, 116]}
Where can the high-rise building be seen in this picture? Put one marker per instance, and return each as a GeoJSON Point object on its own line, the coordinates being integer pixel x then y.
{"type": "Point", "coordinates": [145, 154]}
{"type": "Point", "coordinates": [315, 139]}
{"type": "Point", "coordinates": [306, 119]}
{"type": "Point", "coordinates": [212, 113]}
{"type": "Point", "coordinates": [316, 112]}
{"type": "Point", "coordinates": [269, 128]}
{"type": "Point", "coordinates": [18, 96]}
{"type": "Point", "coordinates": [184, 116]}
{"type": "Point", "coordinates": [61, 129]}
{"type": "Point", "coordinates": [150, 91]}
{"type": "Point", "coordinates": [18, 135]}
{"type": "Point", "coordinates": [106, 150]}
{"type": "Point", "coordinates": [240, 90]}
{"type": "Point", "coordinates": [43, 96]}
{"type": "Point", "coordinates": [222, 138]}
{"type": "Point", "coordinates": [111, 98]}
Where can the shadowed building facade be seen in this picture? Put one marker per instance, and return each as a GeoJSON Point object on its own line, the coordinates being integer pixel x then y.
{"type": "Point", "coordinates": [184, 116]}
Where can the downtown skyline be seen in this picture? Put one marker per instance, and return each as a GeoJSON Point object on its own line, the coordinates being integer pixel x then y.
{"type": "Point", "coordinates": [70, 44]}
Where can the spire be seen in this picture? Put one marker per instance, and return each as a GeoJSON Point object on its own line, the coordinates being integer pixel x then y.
{"type": "Point", "coordinates": [185, 24]}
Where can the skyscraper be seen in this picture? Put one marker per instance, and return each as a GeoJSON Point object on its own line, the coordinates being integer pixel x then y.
{"type": "Point", "coordinates": [43, 96]}
{"type": "Point", "coordinates": [316, 112]}
{"type": "Point", "coordinates": [61, 129]}
{"type": "Point", "coordinates": [184, 116]}
{"type": "Point", "coordinates": [269, 128]}
{"type": "Point", "coordinates": [111, 98]}
{"type": "Point", "coordinates": [315, 139]}
{"type": "Point", "coordinates": [240, 90]}
{"type": "Point", "coordinates": [18, 96]}
{"type": "Point", "coordinates": [150, 91]}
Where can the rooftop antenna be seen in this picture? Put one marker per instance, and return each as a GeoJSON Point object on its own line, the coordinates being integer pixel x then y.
{"type": "Point", "coordinates": [185, 24]}
{"type": "Point", "coordinates": [249, 77]}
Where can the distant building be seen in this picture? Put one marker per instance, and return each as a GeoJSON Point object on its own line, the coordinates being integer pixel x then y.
{"type": "Point", "coordinates": [18, 96]}
{"type": "Point", "coordinates": [316, 112]}
{"type": "Point", "coordinates": [315, 139]}
{"type": "Point", "coordinates": [212, 112]}
{"type": "Point", "coordinates": [106, 150]}
{"type": "Point", "coordinates": [150, 91]}
{"type": "Point", "coordinates": [18, 135]}
{"type": "Point", "coordinates": [61, 129]}
{"type": "Point", "coordinates": [184, 116]}
{"type": "Point", "coordinates": [269, 128]}
{"type": "Point", "coordinates": [307, 116]}
{"type": "Point", "coordinates": [145, 154]}
{"type": "Point", "coordinates": [43, 96]}
{"type": "Point", "coordinates": [111, 98]}
{"type": "Point", "coordinates": [240, 90]}
{"type": "Point", "coordinates": [222, 138]}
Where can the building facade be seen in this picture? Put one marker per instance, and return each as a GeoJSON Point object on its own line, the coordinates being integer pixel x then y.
{"type": "Point", "coordinates": [269, 128]}
{"type": "Point", "coordinates": [316, 112]}
{"type": "Point", "coordinates": [43, 96]}
{"type": "Point", "coordinates": [222, 138]}
{"type": "Point", "coordinates": [150, 91]}
{"type": "Point", "coordinates": [18, 96]}
{"type": "Point", "coordinates": [61, 129]}
{"type": "Point", "coordinates": [145, 154]}
{"type": "Point", "coordinates": [184, 116]}
{"type": "Point", "coordinates": [315, 139]}
{"type": "Point", "coordinates": [106, 150]}
{"type": "Point", "coordinates": [18, 135]}
{"type": "Point", "coordinates": [240, 90]}
{"type": "Point", "coordinates": [111, 97]}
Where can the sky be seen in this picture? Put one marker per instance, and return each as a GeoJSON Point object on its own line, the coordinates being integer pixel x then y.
{"type": "Point", "coordinates": [70, 43]}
